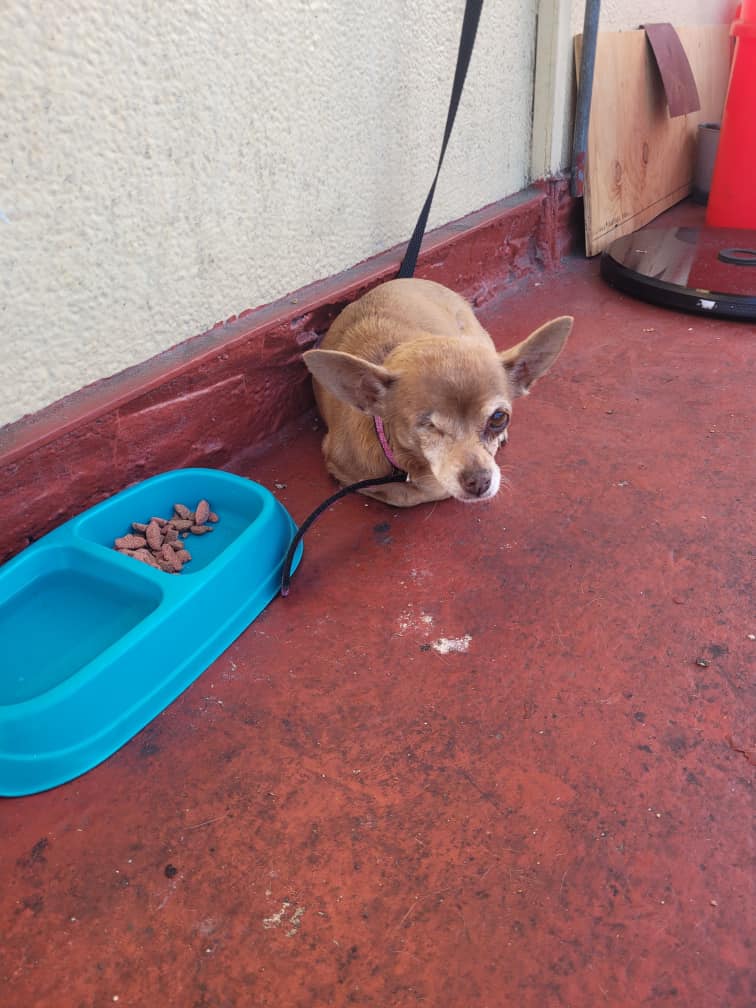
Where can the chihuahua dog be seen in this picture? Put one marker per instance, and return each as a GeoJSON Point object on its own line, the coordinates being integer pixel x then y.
{"type": "Point", "coordinates": [406, 377]}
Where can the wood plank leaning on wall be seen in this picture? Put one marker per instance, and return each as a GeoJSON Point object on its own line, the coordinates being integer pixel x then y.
{"type": "Point", "coordinates": [640, 160]}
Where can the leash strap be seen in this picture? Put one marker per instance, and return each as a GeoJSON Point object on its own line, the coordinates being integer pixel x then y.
{"type": "Point", "coordinates": [396, 477]}
{"type": "Point", "coordinates": [466, 43]}
{"type": "Point", "coordinates": [407, 269]}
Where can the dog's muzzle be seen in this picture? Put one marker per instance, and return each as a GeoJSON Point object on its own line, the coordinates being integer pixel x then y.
{"type": "Point", "coordinates": [479, 484]}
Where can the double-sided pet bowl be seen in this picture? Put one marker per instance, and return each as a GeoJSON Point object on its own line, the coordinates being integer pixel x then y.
{"type": "Point", "coordinates": [94, 644]}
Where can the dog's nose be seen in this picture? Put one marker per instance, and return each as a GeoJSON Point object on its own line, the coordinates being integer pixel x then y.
{"type": "Point", "coordinates": [476, 481]}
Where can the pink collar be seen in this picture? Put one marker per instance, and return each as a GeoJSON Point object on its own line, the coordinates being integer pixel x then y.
{"type": "Point", "coordinates": [379, 430]}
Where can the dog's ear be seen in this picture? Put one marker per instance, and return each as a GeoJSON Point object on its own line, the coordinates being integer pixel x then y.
{"type": "Point", "coordinates": [351, 379]}
{"type": "Point", "coordinates": [531, 359]}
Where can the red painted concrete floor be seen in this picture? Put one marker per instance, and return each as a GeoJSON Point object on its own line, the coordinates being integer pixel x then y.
{"type": "Point", "coordinates": [345, 810]}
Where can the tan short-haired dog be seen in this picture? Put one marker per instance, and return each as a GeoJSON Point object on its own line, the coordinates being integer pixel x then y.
{"type": "Point", "coordinates": [407, 377]}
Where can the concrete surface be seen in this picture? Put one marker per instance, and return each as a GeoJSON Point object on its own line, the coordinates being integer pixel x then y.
{"type": "Point", "coordinates": [481, 756]}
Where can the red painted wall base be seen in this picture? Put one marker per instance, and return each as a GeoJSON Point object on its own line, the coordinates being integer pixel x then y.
{"type": "Point", "coordinates": [219, 394]}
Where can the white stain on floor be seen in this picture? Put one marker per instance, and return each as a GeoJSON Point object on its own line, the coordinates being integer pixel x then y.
{"type": "Point", "coordinates": [408, 620]}
{"type": "Point", "coordinates": [295, 921]}
{"type": "Point", "coordinates": [277, 919]}
{"type": "Point", "coordinates": [452, 645]}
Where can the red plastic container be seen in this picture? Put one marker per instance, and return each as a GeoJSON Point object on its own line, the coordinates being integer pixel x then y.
{"type": "Point", "coordinates": [732, 198]}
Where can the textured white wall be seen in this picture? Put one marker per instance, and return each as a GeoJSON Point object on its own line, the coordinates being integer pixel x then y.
{"type": "Point", "coordinates": [166, 164]}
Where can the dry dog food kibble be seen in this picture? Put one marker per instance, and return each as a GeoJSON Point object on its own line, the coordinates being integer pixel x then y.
{"type": "Point", "coordinates": [202, 513]}
{"type": "Point", "coordinates": [130, 542]}
{"type": "Point", "coordinates": [154, 536]}
{"type": "Point", "coordinates": [161, 542]}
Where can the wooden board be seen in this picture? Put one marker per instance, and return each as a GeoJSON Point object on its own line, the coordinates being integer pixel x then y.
{"type": "Point", "coordinates": [640, 161]}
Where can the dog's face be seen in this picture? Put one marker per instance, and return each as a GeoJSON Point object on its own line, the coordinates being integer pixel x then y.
{"type": "Point", "coordinates": [445, 403]}
{"type": "Point", "coordinates": [450, 406]}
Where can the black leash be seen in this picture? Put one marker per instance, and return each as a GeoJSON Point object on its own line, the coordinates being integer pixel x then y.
{"type": "Point", "coordinates": [466, 43]}
{"type": "Point", "coordinates": [397, 476]}
{"type": "Point", "coordinates": [407, 268]}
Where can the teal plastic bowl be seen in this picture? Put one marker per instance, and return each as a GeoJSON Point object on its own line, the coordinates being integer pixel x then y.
{"type": "Point", "coordinates": [94, 644]}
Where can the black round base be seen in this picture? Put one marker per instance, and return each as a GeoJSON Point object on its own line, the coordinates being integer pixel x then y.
{"type": "Point", "coordinates": [708, 271]}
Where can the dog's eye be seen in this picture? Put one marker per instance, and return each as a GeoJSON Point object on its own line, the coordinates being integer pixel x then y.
{"type": "Point", "coordinates": [427, 424]}
{"type": "Point", "coordinates": [498, 421]}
